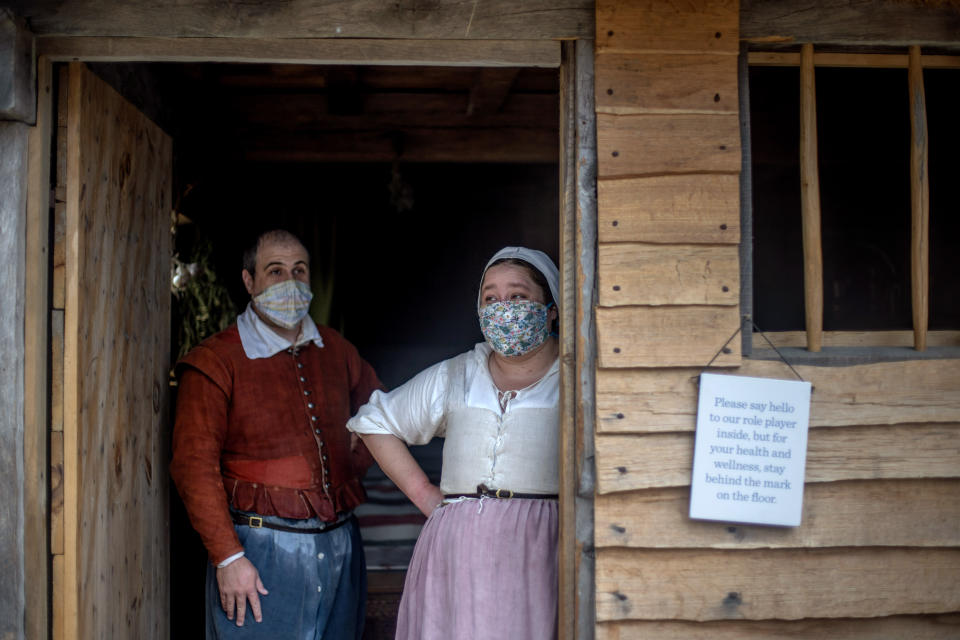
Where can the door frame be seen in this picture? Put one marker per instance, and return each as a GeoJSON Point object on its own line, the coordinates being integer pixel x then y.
{"type": "Point", "coordinates": [578, 249]}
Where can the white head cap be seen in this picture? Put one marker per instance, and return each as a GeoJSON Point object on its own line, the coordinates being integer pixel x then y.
{"type": "Point", "coordinates": [536, 259]}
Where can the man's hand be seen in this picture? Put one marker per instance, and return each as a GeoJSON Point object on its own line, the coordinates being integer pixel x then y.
{"type": "Point", "coordinates": [239, 581]}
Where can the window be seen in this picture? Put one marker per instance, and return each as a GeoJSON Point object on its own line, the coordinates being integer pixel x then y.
{"type": "Point", "coordinates": [864, 145]}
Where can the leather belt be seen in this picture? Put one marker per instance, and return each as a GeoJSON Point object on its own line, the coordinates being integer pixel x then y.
{"type": "Point", "coordinates": [483, 491]}
{"type": "Point", "coordinates": [257, 522]}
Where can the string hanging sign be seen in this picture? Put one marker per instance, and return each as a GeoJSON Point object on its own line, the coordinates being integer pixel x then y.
{"type": "Point", "coordinates": [750, 451]}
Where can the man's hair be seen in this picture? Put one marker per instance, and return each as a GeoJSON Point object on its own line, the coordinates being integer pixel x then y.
{"type": "Point", "coordinates": [279, 236]}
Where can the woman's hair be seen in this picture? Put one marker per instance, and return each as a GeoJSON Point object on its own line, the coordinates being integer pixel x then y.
{"type": "Point", "coordinates": [538, 278]}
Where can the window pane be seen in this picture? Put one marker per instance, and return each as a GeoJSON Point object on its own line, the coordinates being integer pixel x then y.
{"type": "Point", "coordinates": [777, 243]}
{"type": "Point", "coordinates": [943, 107]}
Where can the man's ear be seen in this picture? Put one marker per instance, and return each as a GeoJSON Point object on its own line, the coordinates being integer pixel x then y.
{"type": "Point", "coordinates": [247, 281]}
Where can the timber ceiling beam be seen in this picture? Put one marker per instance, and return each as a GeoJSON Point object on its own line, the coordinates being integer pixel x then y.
{"type": "Point", "coordinates": [851, 22]}
{"type": "Point", "coordinates": [487, 19]}
{"type": "Point", "coordinates": [490, 90]}
{"type": "Point", "coordinates": [367, 51]}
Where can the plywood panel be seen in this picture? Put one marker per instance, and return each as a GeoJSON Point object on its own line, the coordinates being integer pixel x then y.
{"type": "Point", "coordinates": [637, 145]}
{"type": "Point", "coordinates": [882, 393]}
{"type": "Point", "coordinates": [685, 208]}
{"type": "Point", "coordinates": [116, 546]}
{"type": "Point", "coordinates": [908, 513]}
{"type": "Point", "coordinates": [667, 336]}
{"type": "Point", "coordinates": [668, 274]}
{"type": "Point", "coordinates": [784, 584]}
{"type": "Point", "coordinates": [627, 462]}
{"type": "Point", "coordinates": [666, 82]}
{"type": "Point", "coordinates": [650, 25]}
{"type": "Point", "coordinates": [931, 627]}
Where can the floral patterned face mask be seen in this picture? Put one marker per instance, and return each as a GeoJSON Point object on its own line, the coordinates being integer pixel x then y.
{"type": "Point", "coordinates": [514, 327]}
{"type": "Point", "coordinates": [285, 303]}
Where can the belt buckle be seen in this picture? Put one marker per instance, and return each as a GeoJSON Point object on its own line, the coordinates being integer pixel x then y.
{"type": "Point", "coordinates": [255, 522]}
{"type": "Point", "coordinates": [504, 493]}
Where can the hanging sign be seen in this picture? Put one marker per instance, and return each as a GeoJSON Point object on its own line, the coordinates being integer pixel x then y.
{"type": "Point", "coordinates": [751, 450]}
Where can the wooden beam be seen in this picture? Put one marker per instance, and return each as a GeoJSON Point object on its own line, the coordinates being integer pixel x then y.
{"type": "Point", "coordinates": [855, 60]}
{"type": "Point", "coordinates": [667, 336]}
{"type": "Point", "coordinates": [919, 204]}
{"type": "Point", "coordinates": [876, 513]}
{"type": "Point", "coordinates": [865, 22]}
{"type": "Point", "coordinates": [567, 553]}
{"type": "Point", "coordinates": [857, 339]}
{"type": "Point", "coordinates": [697, 26]}
{"type": "Point", "coordinates": [775, 584]}
{"type": "Point", "coordinates": [911, 391]}
{"type": "Point", "coordinates": [936, 627]}
{"type": "Point", "coordinates": [668, 274]}
{"type": "Point", "coordinates": [419, 145]}
{"type": "Point", "coordinates": [810, 204]}
{"type": "Point", "coordinates": [666, 83]}
{"type": "Point", "coordinates": [372, 51]}
{"type": "Point", "coordinates": [631, 462]}
{"type": "Point", "coordinates": [35, 390]}
{"type": "Point", "coordinates": [684, 208]}
{"type": "Point", "coordinates": [18, 96]}
{"type": "Point", "coordinates": [490, 90]}
{"type": "Point", "coordinates": [493, 19]}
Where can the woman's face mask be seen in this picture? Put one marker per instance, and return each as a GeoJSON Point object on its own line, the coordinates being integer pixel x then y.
{"type": "Point", "coordinates": [515, 327]}
{"type": "Point", "coordinates": [284, 303]}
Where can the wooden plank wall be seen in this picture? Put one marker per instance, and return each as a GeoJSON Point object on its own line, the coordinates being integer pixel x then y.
{"type": "Point", "coordinates": [877, 553]}
{"type": "Point", "coordinates": [115, 541]}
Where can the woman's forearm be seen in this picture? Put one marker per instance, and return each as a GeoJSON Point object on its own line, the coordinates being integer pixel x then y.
{"type": "Point", "coordinates": [398, 463]}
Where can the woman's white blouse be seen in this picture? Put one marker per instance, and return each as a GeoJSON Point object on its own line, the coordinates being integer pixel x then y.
{"type": "Point", "coordinates": [514, 447]}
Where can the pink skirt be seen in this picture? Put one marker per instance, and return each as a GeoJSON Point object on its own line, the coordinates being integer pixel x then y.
{"type": "Point", "coordinates": [483, 569]}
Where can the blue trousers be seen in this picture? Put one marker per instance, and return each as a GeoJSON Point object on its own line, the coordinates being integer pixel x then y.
{"type": "Point", "coordinates": [317, 584]}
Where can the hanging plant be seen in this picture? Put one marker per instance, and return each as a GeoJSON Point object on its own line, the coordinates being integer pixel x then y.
{"type": "Point", "coordinates": [203, 303]}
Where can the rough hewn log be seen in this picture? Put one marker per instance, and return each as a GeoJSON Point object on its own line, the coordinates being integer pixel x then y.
{"type": "Point", "coordinates": [532, 20]}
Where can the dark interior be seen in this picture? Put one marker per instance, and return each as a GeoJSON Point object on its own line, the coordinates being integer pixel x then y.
{"type": "Point", "coordinates": [863, 127]}
{"type": "Point", "coordinates": [401, 181]}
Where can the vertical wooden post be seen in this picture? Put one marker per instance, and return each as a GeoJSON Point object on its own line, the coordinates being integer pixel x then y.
{"type": "Point", "coordinates": [35, 391]}
{"type": "Point", "coordinates": [568, 345]}
{"type": "Point", "coordinates": [810, 202]}
{"type": "Point", "coordinates": [919, 203]}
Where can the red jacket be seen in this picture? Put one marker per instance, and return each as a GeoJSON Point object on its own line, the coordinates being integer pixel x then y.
{"type": "Point", "coordinates": [267, 435]}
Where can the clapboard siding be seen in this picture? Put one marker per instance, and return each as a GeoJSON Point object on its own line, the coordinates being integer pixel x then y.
{"type": "Point", "coordinates": [645, 400]}
{"type": "Point", "coordinates": [651, 25]}
{"type": "Point", "coordinates": [663, 83]}
{"type": "Point", "coordinates": [935, 627]}
{"type": "Point", "coordinates": [890, 513]}
{"type": "Point", "coordinates": [684, 208]}
{"type": "Point", "coordinates": [635, 145]}
{"type": "Point", "coordinates": [877, 554]}
{"type": "Point", "coordinates": [673, 336]}
{"type": "Point", "coordinates": [763, 584]}
{"type": "Point", "coordinates": [628, 462]}
{"type": "Point", "coordinates": [668, 275]}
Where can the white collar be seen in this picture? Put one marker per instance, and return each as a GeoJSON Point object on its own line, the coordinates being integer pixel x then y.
{"type": "Point", "coordinates": [260, 341]}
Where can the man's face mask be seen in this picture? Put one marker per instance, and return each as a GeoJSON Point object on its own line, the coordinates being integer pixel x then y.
{"type": "Point", "coordinates": [285, 303]}
{"type": "Point", "coordinates": [514, 327]}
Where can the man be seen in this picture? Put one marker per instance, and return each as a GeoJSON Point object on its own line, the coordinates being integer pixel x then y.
{"type": "Point", "coordinates": [267, 471]}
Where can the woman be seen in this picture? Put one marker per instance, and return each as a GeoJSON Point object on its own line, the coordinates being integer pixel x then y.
{"type": "Point", "coordinates": [485, 565]}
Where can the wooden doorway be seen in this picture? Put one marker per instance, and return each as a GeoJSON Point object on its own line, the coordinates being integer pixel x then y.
{"type": "Point", "coordinates": [570, 204]}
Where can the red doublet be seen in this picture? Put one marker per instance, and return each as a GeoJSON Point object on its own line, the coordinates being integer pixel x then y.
{"type": "Point", "coordinates": [267, 435]}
